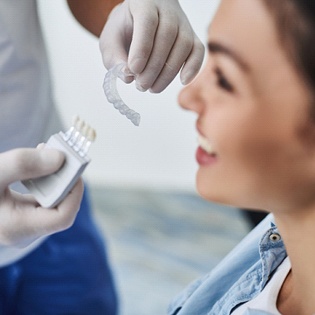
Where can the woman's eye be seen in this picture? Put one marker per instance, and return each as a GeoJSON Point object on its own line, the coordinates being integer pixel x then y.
{"type": "Point", "coordinates": [222, 82]}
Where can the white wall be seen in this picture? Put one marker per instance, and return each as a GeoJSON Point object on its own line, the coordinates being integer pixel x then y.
{"type": "Point", "coordinates": [159, 153]}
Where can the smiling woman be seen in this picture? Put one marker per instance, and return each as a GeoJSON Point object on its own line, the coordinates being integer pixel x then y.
{"type": "Point", "coordinates": [254, 106]}
{"type": "Point", "coordinates": [236, 101]}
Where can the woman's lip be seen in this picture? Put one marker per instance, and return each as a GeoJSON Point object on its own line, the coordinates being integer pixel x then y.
{"type": "Point", "coordinates": [203, 158]}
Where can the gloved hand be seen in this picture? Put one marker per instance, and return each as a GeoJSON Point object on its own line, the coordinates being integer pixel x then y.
{"type": "Point", "coordinates": [156, 40]}
{"type": "Point", "coordinates": [22, 220]}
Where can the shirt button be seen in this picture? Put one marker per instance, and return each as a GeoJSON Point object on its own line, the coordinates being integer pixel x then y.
{"type": "Point", "coordinates": [275, 237]}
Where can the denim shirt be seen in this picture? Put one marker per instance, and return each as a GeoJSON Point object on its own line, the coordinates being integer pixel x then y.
{"type": "Point", "coordinates": [240, 276]}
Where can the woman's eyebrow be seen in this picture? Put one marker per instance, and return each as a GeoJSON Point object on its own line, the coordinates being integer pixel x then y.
{"type": "Point", "coordinates": [217, 48]}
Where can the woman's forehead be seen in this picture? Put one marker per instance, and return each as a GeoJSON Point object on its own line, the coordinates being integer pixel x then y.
{"type": "Point", "coordinates": [243, 29]}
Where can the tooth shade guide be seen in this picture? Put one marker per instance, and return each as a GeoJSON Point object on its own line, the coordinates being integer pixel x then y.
{"type": "Point", "coordinates": [72, 129]}
{"type": "Point", "coordinates": [51, 189]}
{"type": "Point", "coordinates": [79, 136]}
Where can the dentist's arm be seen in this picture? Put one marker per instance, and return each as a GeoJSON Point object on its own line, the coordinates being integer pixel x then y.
{"type": "Point", "coordinates": [92, 14]}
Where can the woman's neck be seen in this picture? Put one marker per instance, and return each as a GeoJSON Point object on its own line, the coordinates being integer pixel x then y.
{"type": "Point", "coordinates": [298, 232]}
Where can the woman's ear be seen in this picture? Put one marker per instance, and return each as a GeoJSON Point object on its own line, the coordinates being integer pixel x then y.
{"type": "Point", "coordinates": [306, 130]}
{"type": "Point", "coordinates": [308, 136]}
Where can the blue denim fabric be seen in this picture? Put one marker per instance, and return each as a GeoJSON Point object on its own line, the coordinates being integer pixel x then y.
{"type": "Point", "coordinates": [240, 276]}
{"type": "Point", "coordinates": [68, 274]}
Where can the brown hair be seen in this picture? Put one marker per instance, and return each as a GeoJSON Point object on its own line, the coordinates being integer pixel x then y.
{"type": "Point", "coordinates": [295, 21]}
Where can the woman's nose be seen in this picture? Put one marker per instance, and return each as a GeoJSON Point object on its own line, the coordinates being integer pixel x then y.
{"type": "Point", "coordinates": [190, 97]}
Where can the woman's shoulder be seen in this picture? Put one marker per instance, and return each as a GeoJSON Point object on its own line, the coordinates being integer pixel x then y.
{"type": "Point", "coordinates": [235, 276]}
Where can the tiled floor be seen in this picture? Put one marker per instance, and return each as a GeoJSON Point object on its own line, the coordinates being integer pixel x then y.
{"type": "Point", "coordinates": [160, 241]}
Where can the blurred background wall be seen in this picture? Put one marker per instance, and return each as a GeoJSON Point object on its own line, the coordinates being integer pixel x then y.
{"type": "Point", "coordinates": [157, 154]}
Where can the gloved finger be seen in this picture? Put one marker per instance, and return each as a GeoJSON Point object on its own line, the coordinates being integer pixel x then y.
{"type": "Point", "coordinates": [17, 214]}
{"type": "Point", "coordinates": [165, 40]}
{"type": "Point", "coordinates": [63, 215]}
{"type": "Point", "coordinates": [34, 222]}
{"type": "Point", "coordinates": [114, 40]}
{"type": "Point", "coordinates": [146, 21]}
{"type": "Point", "coordinates": [187, 53]}
{"type": "Point", "coordinates": [193, 62]}
{"type": "Point", "coordinates": [20, 164]}
{"type": "Point", "coordinates": [111, 41]}
{"type": "Point", "coordinates": [180, 52]}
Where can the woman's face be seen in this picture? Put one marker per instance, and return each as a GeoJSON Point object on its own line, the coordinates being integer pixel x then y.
{"type": "Point", "coordinates": [253, 110]}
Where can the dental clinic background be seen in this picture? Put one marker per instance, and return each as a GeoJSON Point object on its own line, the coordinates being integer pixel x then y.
{"type": "Point", "coordinates": [158, 154]}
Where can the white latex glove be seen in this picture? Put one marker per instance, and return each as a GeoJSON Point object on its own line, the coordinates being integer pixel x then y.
{"type": "Point", "coordinates": [156, 40]}
{"type": "Point", "coordinates": [22, 219]}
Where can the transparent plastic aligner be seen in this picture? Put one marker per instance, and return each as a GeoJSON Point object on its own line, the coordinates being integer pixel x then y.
{"type": "Point", "coordinates": [110, 90]}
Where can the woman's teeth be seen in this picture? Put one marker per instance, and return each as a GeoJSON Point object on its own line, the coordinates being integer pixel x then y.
{"type": "Point", "coordinates": [205, 144]}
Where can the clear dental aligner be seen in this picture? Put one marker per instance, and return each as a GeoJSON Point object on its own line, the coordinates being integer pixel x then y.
{"type": "Point", "coordinates": [110, 90]}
